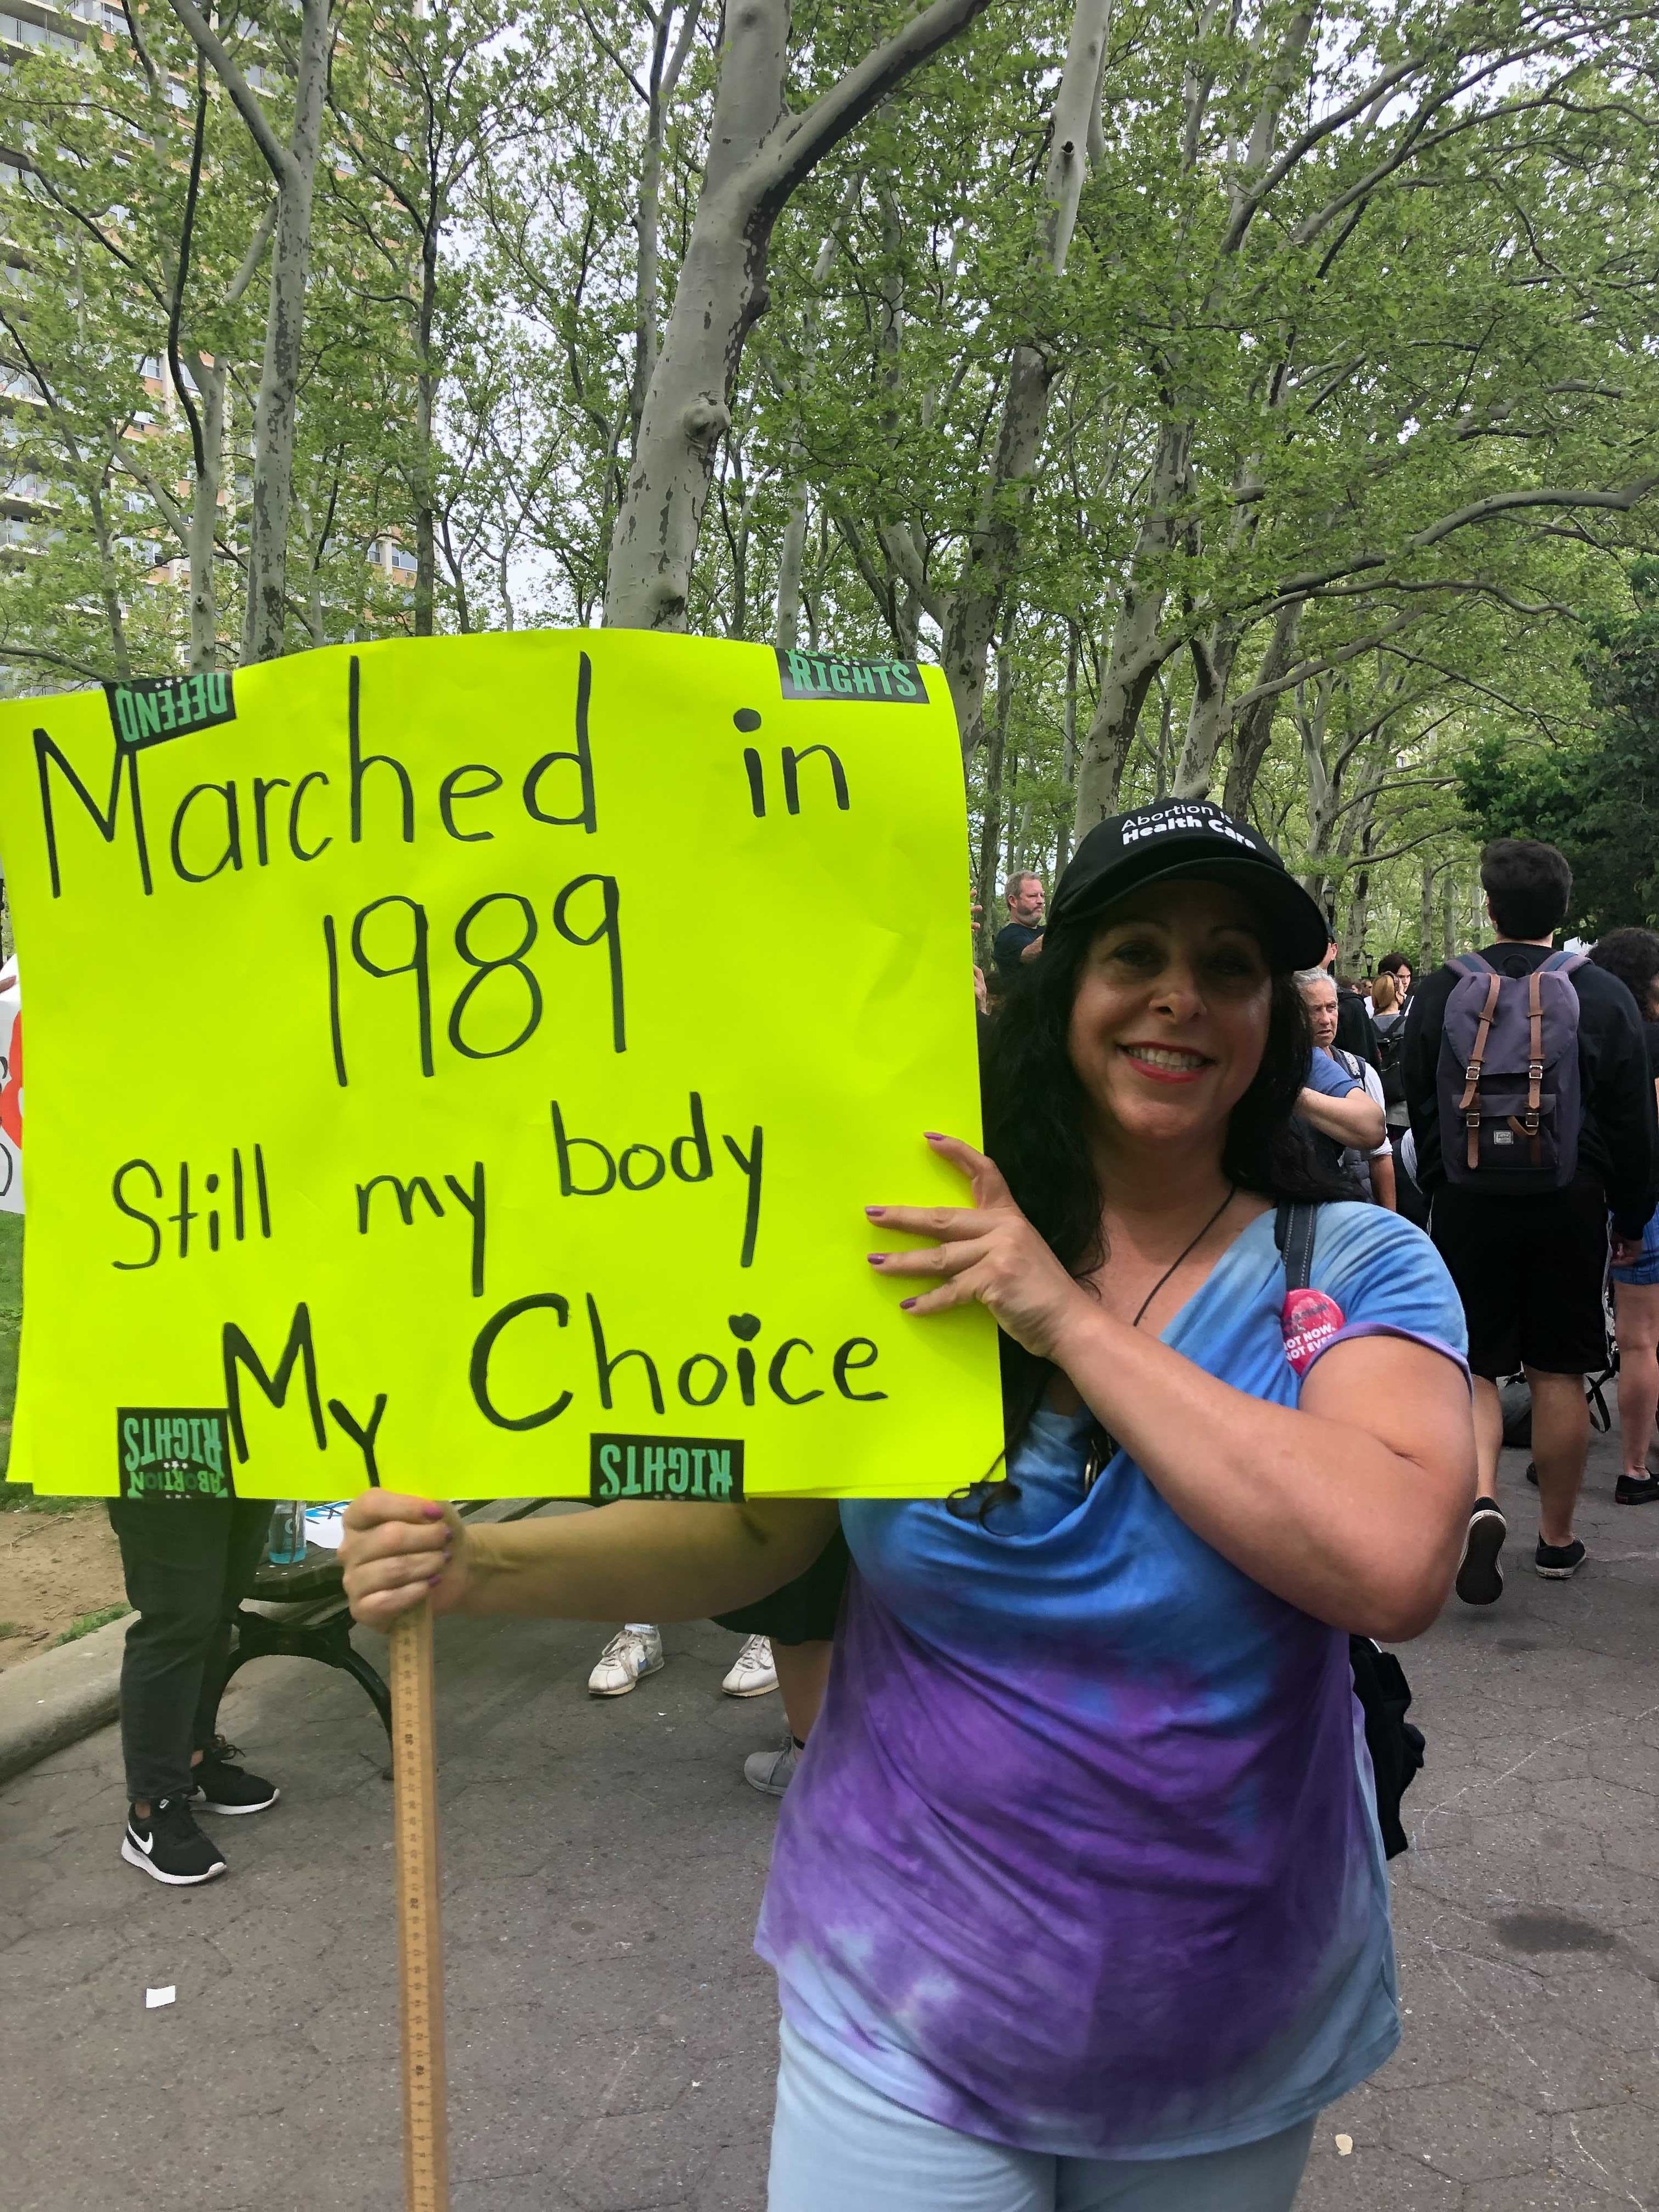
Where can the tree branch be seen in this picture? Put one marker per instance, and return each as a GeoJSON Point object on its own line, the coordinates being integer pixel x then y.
{"type": "Point", "coordinates": [1506, 502]}
{"type": "Point", "coordinates": [277, 159]}
{"type": "Point", "coordinates": [255, 254]}
{"type": "Point", "coordinates": [181, 271]}
{"type": "Point", "coordinates": [790, 154]}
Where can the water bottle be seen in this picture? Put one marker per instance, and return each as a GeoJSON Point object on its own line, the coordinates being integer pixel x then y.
{"type": "Point", "coordinates": [285, 1545]}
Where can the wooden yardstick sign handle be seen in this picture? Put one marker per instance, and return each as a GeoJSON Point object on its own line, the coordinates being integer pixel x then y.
{"type": "Point", "coordinates": [420, 1951]}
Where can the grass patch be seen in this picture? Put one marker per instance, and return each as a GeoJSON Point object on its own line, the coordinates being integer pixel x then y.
{"type": "Point", "coordinates": [86, 1622]}
{"type": "Point", "coordinates": [18, 1498]}
{"type": "Point", "coordinates": [10, 1628]}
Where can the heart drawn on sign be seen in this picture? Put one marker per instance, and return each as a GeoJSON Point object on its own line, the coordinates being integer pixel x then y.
{"type": "Point", "coordinates": [746, 1326]}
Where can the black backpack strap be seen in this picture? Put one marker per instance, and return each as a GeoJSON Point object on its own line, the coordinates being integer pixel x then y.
{"type": "Point", "coordinates": [1295, 1226]}
{"type": "Point", "coordinates": [1379, 1680]}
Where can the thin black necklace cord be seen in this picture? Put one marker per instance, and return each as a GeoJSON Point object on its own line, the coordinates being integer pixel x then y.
{"type": "Point", "coordinates": [1186, 1253]}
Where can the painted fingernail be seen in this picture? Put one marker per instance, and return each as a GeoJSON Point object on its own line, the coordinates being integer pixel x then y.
{"type": "Point", "coordinates": [875, 1258]}
{"type": "Point", "coordinates": [933, 1136]}
{"type": "Point", "coordinates": [905, 1304]}
{"type": "Point", "coordinates": [433, 1512]}
{"type": "Point", "coordinates": [875, 1213]}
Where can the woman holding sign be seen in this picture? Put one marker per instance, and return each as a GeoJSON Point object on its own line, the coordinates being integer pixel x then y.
{"type": "Point", "coordinates": [1078, 1898]}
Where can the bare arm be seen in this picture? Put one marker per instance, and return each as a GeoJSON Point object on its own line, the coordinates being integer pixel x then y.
{"type": "Point", "coordinates": [1355, 1120]}
{"type": "Point", "coordinates": [1352, 1505]}
{"type": "Point", "coordinates": [1382, 1183]}
{"type": "Point", "coordinates": [656, 1561]}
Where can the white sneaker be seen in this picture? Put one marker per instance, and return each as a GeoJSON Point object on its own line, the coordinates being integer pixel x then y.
{"type": "Point", "coordinates": [752, 1671]}
{"type": "Point", "coordinates": [630, 1653]}
{"type": "Point", "coordinates": [771, 1772]}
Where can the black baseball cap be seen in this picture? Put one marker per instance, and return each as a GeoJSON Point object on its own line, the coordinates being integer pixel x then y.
{"type": "Point", "coordinates": [1192, 838]}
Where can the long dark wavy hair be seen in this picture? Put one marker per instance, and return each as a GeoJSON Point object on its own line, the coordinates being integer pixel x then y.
{"type": "Point", "coordinates": [1036, 1130]}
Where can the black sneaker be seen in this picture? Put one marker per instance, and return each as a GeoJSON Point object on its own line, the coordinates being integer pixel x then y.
{"type": "Point", "coordinates": [1532, 1472]}
{"type": "Point", "coordinates": [170, 1846]}
{"type": "Point", "coordinates": [217, 1786]}
{"type": "Point", "coordinates": [1559, 1563]}
{"type": "Point", "coordinates": [1480, 1577]}
{"type": "Point", "coordinates": [1636, 1490]}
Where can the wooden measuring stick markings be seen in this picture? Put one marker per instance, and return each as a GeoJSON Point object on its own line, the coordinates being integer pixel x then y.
{"type": "Point", "coordinates": [420, 1950]}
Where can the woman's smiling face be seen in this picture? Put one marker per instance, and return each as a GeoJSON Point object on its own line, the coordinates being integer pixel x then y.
{"type": "Point", "coordinates": [1170, 1017]}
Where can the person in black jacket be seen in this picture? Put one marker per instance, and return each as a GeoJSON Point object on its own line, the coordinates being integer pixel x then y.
{"type": "Point", "coordinates": [1530, 1268]}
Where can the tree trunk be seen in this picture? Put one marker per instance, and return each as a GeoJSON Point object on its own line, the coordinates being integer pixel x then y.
{"type": "Point", "coordinates": [1353, 943]}
{"type": "Point", "coordinates": [738, 543]}
{"type": "Point", "coordinates": [273, 439]}
{"type": "Point", "coordinates": [1135, 635]}
{"type": "Point", "coordinates": [1209, 715]}
{"type": "Point", "coordinates": [758, 156]}
{"type": "Point", "coordinates": [665, 71]}
{"type": "Point", "coordinates": [1068, 748]}
{"type": "Point", "coordinates": [791, 555]}
{"type": "Point", "coordinates": [109, 584]}
{"type": "Point", "coordinates": [1359, 888]}
{"type": "Point", "coordinates": [1449, 916]}
{"type": "Point", "coordinates": [1324, 790]}
{"type": "Point", "coordinates": [204, 548]}
{"type": "Point", "coordinates": [646, 221]}
{"type": "Point", "coordinates": [426, 382]}
{"type": "Point", "coordinates": [990, 827]}
{"type": "Point", "coordinates": [994, 548]}
{"type": "Point", "coordinates": [1137, 651]}
{"type": "Point", "coordinates": [1253, 732]}
{"type": "Point", "coordinates": [1425, 920]}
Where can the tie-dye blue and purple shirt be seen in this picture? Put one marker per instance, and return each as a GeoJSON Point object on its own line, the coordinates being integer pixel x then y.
{"type": "Point", "coordinates": [1084, 1857]}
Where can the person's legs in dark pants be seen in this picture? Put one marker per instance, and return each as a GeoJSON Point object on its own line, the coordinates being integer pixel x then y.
{"type": "Point", "coordinates": [188, 1566]}
{"type": "Point", "coordinates": [173, 1555]}
{"type": "Point", "coordinates": [245, 1544]}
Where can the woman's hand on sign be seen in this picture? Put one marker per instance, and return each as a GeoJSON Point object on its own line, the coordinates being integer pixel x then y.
{"type": "Point", "coordinates": [988, 1251]}
{"type": "Point", "coordinates": [396, 1550]}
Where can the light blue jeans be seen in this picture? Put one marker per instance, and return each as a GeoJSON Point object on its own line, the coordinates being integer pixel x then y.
{"type": "Point", "coordinates": [838, 2144]}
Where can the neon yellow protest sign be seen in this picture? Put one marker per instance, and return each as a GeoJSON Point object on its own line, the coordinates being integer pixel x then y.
{"type": "Point", "coordinates": [464, 1063]}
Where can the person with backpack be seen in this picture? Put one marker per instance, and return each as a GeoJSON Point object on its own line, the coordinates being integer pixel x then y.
{"type": "Point", "coordinates": [1078, 1895]}
{"type": "Point", "coordinates": [1533, 1110]}
{"type": "Point", "coordinates": [1365, 1162]}
{"type": "Point", "coordinates": [1398, 968]}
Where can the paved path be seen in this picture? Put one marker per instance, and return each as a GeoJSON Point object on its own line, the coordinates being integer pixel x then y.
{"type": "Point", "coordinates": [610, 2031]}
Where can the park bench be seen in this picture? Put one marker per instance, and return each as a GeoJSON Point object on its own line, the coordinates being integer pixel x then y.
{"type": "Point", "coordinates": [299, 1611]}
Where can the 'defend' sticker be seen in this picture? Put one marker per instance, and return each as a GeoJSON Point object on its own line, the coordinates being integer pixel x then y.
{"type": "Point", "coordinates": [1309, 1320]}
